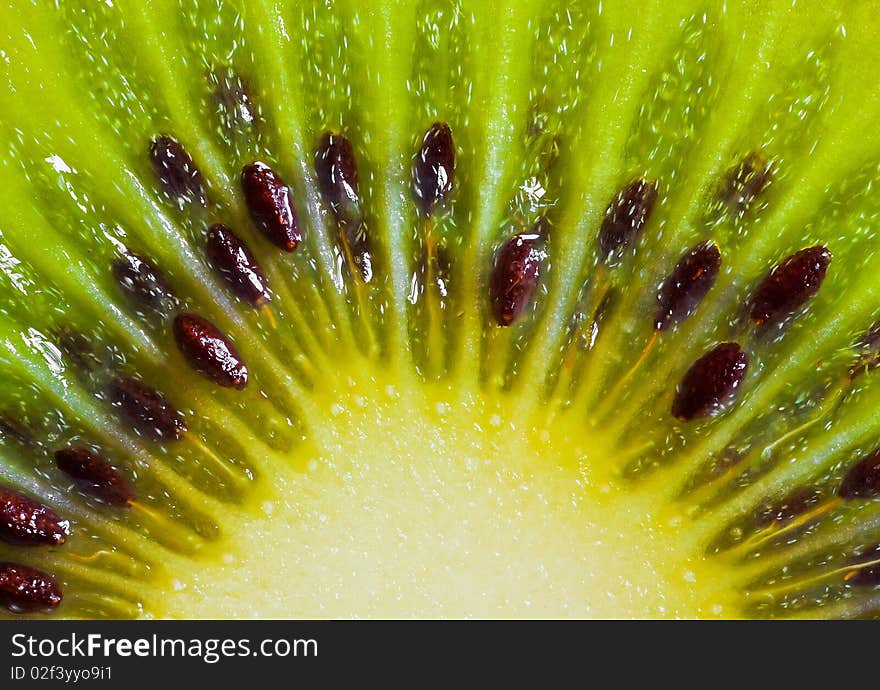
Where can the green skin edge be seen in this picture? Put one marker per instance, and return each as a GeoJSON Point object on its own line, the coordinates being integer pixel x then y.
{"type": "Point", "coordinates": [576, 99]}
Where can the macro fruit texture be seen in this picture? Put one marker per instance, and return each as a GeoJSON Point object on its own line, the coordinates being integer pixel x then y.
{"type": "Point", "coordinates": [439, 308]}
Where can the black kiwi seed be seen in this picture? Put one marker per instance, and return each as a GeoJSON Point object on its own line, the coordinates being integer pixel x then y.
{"type": "Point", "coordinates": [23, 588]}
{"type": "Point", "coordinates": [95, 475]}
{"type": "Point", "coordinates": [146, 409]}
{"type": "Point", "coordinates": [710, 383]}
{"type": "Point", "coordinates": [143, 284]}
{"type": "Point", "coordinates": [690, 281]}
{"type": "Point", "coordinates": [789, 285]}
{"type": "Point", "coordinates": [25, 521]}
{"type": "Point", "coordinates": [180, 179]}
{"type": "Point", "coordinates": [515, 276]}
{"type": "Point", "coordinates": [336, 170]}
{"type": "Point", "coordinates": [434, 171]}
{"type": "Point", "coordinates": [233, 261]}
{"type": "Point", "coordinates": [863, 479]}
{"type": "Point", "coordinates": [270, 203]}
{"type": "Point", "coordinates": [208, 351]}
{"type": "Point", "coordinates": [625, 217]}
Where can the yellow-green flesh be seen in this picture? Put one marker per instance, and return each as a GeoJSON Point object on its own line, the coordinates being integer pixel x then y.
{"type": "Point", "coordinates": [424, 503]}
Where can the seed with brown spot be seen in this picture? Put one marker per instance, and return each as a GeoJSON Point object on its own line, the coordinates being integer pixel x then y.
{"type": "Point", "coordinates": [515, 277]}
{"type": "Point", "coordinates": [336, 169]}
{"type": "Point", "coordinates": [434, 170]}
{"type": "Point", "coordinates": [745, 182]}
{"type": "Point", "coordinates": [863, 479]}
{"type": "Point", "coordinates": [23, 588]}
{"type": "Point", "coordinates": [144, 284]}
{"type": "Point", "coordinates": [690, 280]}
{"type": "Point", "coordinates": [29, 522]}
{"type": "Point", "coordinates": [626, 216]}
{"type": "Point", "coordinates": [146, 409]}
{"type": "Point", "coordinates": [796, 503]}
{"type": "Point", "coordinates": [95, 475]}
{"type": "Point", "coordinates": [710, 383]}
{"type": "Point", "coordinates": [270, 203]}
{"type": "Point", "coordinates": [233, 261]}
{"type": "Point", "coordinates": [790, 285]}
{"type": "Point", "coordinates": [176, 171]}
{"type": "Point", "coordinates": [209, 351]}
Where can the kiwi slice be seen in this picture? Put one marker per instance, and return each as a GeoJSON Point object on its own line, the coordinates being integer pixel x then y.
{"type": "Point", "coordinates": [439, 308]}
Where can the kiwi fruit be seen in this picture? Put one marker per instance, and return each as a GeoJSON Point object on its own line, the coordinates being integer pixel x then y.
{"type": "Point", "coordinates": [439, 308]}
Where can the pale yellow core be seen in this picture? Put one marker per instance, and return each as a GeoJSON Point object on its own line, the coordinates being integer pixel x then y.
{"type": "Point", "coordinates": [430, 505]}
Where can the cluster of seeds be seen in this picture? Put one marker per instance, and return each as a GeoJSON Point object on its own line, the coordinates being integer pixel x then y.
{"type": "Point", "coordinates": [204, 346]}
{"type": "Point", "coordinates": [707, 388]}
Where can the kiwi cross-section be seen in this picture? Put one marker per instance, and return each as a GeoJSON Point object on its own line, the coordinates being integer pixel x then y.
{"type": "Point", "coordinates": [439, 308]}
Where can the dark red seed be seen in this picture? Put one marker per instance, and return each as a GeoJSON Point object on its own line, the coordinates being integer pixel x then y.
{"type": "Point", "coordinates": [744, 182]}
{"type": "Point", "coordinates": [146, 409]}
{"type": "Point", "coordinates": [23, 588]}
{"type": "Point", "coordinates": [863, 479]}
{"type": "Point", "coordinates": [710, 383]}
{"type": "Point", "coordinates": [270, 203]}
{"type": "Point", "coordinates": [690, 280]}
{"type": "Point", "coordinates": [95, 475]}
{"type": "Point", "coordinates": [176, 171]}
{"type": "Point", "coordinates": [336, 168]}
{"type": "Point", "coordinates": [515, 276]}
{"type": "Point", "coordinates": [208, 351]}
{"type": "Point", "coordinates": [795, 504]}
{"type": "Point", "coordinates": [233, 261]}
{"type": "Point", "coordinates": [434, 170]}
{"type": "Point", "coordinates": [144, 284]}
{"type": "Point", "coordinates": [626, 216]}
{"type": "Point", "coordinates": [29, 522]}
{"type": "Point", "coordinates": [790, 285]}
